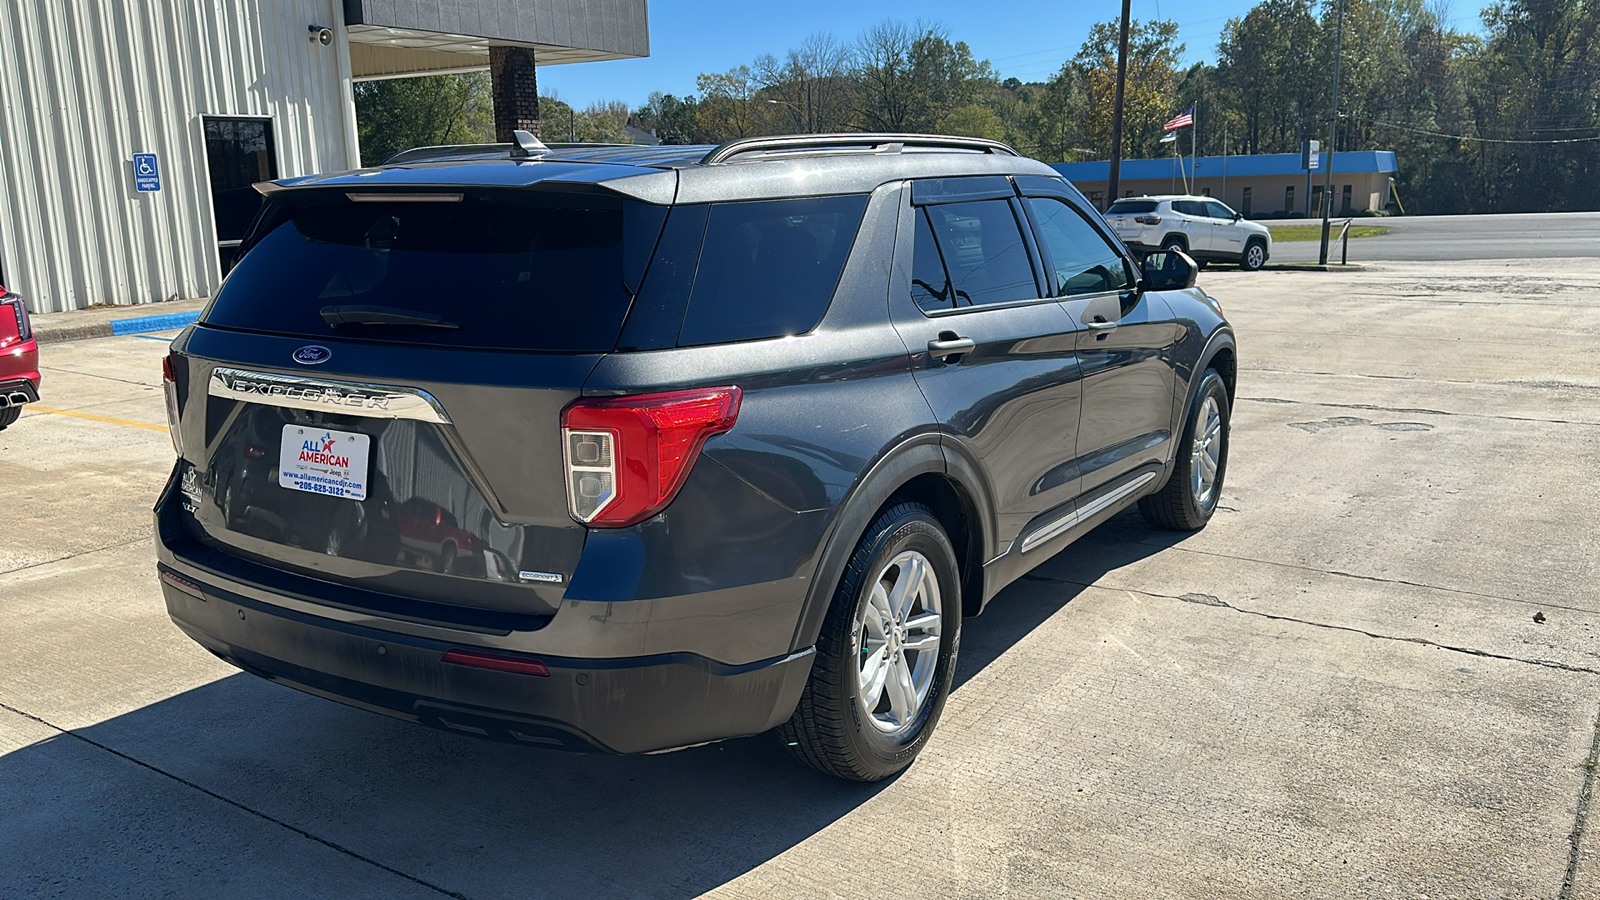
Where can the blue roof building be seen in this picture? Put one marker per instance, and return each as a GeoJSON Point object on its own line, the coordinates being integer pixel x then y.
{"type": "Point", "coordinates": [1262, 186]}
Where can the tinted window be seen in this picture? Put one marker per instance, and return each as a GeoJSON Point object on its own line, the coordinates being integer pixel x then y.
{"type": "Point", "coordinates": [1189, 208]}
{"type": "Point", "coordinates": [529, 272]}
{"type": "Point", "coordinates": [1080, 260]}
{"type": "Point", "coordinates": [239, 153]}
{"type": "Point", "coordinates": [768, 268]}
{"type": "Point", "coordinates": [1133, 207]}
{"type": "Point", "coordinates": [970, 254]}
{"type": "Point", "coordinates": [1217, 210]}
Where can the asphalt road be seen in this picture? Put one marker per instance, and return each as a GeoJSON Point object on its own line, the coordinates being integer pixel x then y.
{"type": "Point", "coordinates": [1460, 238]}
{"type": "Point", "coordinates": [1375, 674]}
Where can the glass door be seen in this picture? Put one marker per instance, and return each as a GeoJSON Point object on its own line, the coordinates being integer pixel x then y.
{"type": "Point", "coordinates": [239, 153]}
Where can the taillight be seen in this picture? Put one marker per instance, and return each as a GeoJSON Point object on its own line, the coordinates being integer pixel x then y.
{"type": "Point", "coordinates": [1147, 220]}
{"type": "Point", "coordinates": [626, 457]}
{"type": "Point", "coordinates": [14, 307]}
{"type": "Point", "coordinates": [170, 386]}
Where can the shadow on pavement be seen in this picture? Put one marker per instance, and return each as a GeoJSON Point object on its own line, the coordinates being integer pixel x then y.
{"type": "Point", "coordinates": [466, 815]}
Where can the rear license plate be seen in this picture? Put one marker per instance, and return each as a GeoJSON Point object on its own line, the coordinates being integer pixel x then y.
{"type": "Point", "coordinates": [323, 461]}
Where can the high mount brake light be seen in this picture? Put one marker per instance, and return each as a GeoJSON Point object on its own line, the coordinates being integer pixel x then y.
{"type": "Point", "coordinates": [626, 457]}
{"type": "Point", "coordinates": [169, 386]}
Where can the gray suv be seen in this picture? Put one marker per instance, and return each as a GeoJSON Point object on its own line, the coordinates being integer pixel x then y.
{"type": "Point", "coordinates": [628, 449]}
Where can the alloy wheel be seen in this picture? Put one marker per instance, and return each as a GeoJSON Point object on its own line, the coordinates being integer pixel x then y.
{"type": "Point", "coordinates": [897, 642]}
{"type": "Point", "coordinates": [1205, 457]}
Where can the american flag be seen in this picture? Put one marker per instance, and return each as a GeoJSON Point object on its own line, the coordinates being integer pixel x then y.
{"type": "Point", "coordinates": [1180, 120]}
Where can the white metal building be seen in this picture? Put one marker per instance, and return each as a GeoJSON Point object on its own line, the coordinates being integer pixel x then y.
{"type": "Point", "coordinates": [223, 93]}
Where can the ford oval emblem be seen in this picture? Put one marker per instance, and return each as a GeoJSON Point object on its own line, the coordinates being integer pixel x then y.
{"type": "Point", "coordinates": [312, 355]}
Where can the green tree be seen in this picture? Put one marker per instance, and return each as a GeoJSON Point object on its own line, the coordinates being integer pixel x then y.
{"type": "Point", "coordinates": [728, 105]}
{"type": "Point", "coordinates": [973, 120]}
{"type": "Point", "coordinates": [1151, 94]}
{"type": "Point", "coordinates": [671, 120]}
{"type": "Point", "coordinates": [397, 114]}
{"type": "Point", "coordinates": [908, 78]}
{"type": "Point", "coordinates": [1540, 72]}
{"type": "Point", "coordinates": [1269, 79]}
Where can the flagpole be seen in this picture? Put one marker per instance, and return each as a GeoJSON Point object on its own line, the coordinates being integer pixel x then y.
{"type": "Point", "coordinates": [1194, 143]}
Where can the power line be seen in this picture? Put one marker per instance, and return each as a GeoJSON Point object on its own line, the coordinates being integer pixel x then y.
{"type": "Point", "coordinates": [1463, 137]}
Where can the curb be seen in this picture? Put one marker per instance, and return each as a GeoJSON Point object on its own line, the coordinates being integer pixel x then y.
{"type": "Point", "coordinates": [115, 327]}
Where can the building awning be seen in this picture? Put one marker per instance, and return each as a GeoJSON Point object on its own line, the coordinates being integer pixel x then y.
{"type": "Point", "coordinates": [393, 39]}
{"type": "Point", "coordinates": [1265, 164]}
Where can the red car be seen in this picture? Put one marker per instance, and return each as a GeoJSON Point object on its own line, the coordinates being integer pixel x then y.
{"type": "Point", "coordinates": [19, 358]}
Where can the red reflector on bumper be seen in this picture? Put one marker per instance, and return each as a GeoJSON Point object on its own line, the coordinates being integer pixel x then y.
{"type": "Point", "coordinates": [496, 661]}
{"type": "Point", "coordinates": [183, 584]}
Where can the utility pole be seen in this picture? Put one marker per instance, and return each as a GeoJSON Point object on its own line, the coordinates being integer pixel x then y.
{"type": "Point", "coordinates": [1116, 111]}
{"type": "Point", "coordinates": [1333, 138]}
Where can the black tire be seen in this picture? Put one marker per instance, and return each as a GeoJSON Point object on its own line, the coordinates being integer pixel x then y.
{"type": "Point", "coordinates": [1176, 505]}
{"type": "Point", "coordinates": [1175, 242]}
{"type": "Point", "coordinates": [1250, 261]}
{"type": "Point", "coordinates": [9, 415]}
{"type": "Point", "coordinates": [447, 560]}
{"type": "Point", "coordinates": [829, 730]}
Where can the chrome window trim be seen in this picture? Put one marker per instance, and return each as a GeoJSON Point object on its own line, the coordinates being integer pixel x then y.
{"type": "Point", "coordinates": [377, 401]}
{"type": "Point", "coordinates": [1045, 532]}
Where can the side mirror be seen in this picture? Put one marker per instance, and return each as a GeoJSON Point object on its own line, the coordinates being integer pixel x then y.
{"type": "Point", "coordinates": [1169, 270]}
{"type": "Point", "coordinates": [1238, 216]}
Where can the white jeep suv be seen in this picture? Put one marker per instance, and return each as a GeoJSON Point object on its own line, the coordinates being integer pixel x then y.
{"type": "Point", "coordinates": [1204, 228]}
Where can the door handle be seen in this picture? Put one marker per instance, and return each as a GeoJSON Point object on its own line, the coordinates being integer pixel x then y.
{"type": "Point", "coordinates": [1100, 324]}
{"type": "Point", "coordinates": [949, 344]}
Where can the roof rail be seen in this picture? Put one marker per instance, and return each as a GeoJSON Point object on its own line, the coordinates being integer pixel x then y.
{"type": "Point", "coordinates": [865, 142]}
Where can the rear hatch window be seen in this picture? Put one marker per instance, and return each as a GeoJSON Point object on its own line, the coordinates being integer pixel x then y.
{"type": "Point", "coordinates": [526, 270]}
{"type": "Point", "coordinates": [1133, 207]}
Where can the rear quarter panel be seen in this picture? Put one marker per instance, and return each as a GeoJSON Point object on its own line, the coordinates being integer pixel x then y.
{"type": "Point", "coordinates": [747, 535]}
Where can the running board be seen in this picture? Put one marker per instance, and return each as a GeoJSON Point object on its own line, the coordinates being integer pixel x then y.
{"type": "Point", "coordinates": [1054, 529]}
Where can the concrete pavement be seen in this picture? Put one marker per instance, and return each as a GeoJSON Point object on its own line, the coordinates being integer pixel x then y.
{"type": "Point", "coordinates": [1338, 689]}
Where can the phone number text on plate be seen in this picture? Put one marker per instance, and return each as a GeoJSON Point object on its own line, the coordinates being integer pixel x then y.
{"type": "Point", "coordinates": [330, 486]}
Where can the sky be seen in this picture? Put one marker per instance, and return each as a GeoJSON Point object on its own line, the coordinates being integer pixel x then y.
{"type": "Point", "coordinates": [1027, 39]}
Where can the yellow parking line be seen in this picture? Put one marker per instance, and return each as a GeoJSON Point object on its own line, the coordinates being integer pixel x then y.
{"type": "Point", "coordinates": [94, 418]}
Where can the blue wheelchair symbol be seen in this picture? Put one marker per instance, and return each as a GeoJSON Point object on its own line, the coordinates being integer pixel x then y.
{"type": "Point", "coordinates": [146, 172]}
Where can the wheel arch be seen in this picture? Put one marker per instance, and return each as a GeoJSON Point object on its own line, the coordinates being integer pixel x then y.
{"type": "Point", "coordinates": [917, 469]}
{"type": "Point", "coordinates": [1224, 358]}
{"type": "Point", "coordinates": [955, 509]}
{"type": "Point", "coordinates": [1175, 236]}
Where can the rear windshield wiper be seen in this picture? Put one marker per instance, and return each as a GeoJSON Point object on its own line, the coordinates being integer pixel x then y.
{"type": "Point", "coordinates": [382, 315]}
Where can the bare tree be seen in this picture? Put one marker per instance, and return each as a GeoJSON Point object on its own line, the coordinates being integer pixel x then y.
{"type": "Point", "coordinates": [885, 86]}
{"type": "Point", "coordinates": [809, 84]}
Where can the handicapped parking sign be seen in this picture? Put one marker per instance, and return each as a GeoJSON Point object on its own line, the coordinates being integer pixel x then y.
{"type": "Point", "coordinates": [146, 172]}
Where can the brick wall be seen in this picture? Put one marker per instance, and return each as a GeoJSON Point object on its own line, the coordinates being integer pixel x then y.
{"type": "Point", "coordinates": [516, 91]}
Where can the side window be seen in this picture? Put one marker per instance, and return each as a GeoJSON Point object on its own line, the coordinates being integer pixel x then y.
{"type": "Point", "coordinates": [1189, 208]}
{"type": "Point", "coordinates": [1081, 261]}
{"type": "Point", "coordinates": [1217, 211]}
{"type": "Point", "coordinates": [970, 254]}
{"type": "Point", "coordinates": [768, 268]}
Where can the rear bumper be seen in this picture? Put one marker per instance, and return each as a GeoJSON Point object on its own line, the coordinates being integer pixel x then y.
{"type": "Point", "coordinates": [18, 391]}
{"type": "Point", "coordinates": [621, 705]}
